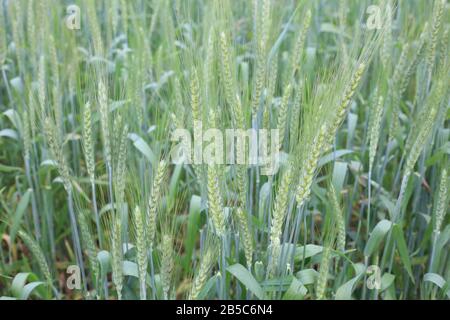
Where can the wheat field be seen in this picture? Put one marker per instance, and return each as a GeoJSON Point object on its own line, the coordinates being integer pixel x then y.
{"type": "Point", "coordinates": [99, 200]}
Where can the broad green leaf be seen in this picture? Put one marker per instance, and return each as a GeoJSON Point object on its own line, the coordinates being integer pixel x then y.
{"type": "Point", "coordinates": [14, 117]}
{"type": "Point", "coordinates": [104, 258]}
{"type": "Point", "coordinates": [386, 281]}
{"type": "Point", "coordinates": [377, 236]}
{"type": "Point", "coordinates": [143, 147]}
{"type": "Point", "coordinates": [192, 229]}
{"type": "Point", "coordinates": [18, 215]}
{"type": "Point", "coordinates": [18, 283]}
{"type": "Point", "coordinates": [437, 280]}
{"type": "Point", "coordinates": [388, 204]}
{"type": "Point", "coordinates": [247, 279]}
{"type": "Point", "coordinates": [5, 168]}
{"type": "Point", "coordinates": [402, 249]}
{"type": "Point", "coordinates": [296, 291]}
{"type": "Point", "coordinates": [207, 287]}
{"type": "Point", "coordinates": [308, 251]}
{"type": "Point", "coordinates": [276, 284]}
{"type": "Point", "coordinates": [333, 156]}
{"type": "Point", "coordinates": [130, 269]}
{"type": "Point", "coordinates": [9, 133]}
{"type": "Point", "coordinates": [339, 173]}
{"type": "Point", "coordinates": [17, 84]}
{"type": "Point", "coordinates": [29, 288]}
{"type": "Point", "coordinates": [307, 276]}
{"type": "Point", "coordinates": [345, 291]}
{"type": "Point", "coordinates": [174, 180]}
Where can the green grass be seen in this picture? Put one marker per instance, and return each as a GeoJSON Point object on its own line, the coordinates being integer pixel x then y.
{"type": "Point", "coordinates": [355, 210]}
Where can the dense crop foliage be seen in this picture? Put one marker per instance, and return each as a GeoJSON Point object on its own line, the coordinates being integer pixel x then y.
{"type": "Point", "coordinates": [351, 204]}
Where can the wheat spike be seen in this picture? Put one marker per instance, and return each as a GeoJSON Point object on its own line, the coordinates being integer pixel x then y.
{"type": "Point", "coordinates": [88, 143]}
{"type": "Point", "coordinates": [309, 167]}
{"type": "Point", "coordinates": [206, 264]}
{"type": "Point", "coordinates": [375, 130]}
{"type": "Point", "coordinates": [339, 218]}
{"type": "Point", "coordinates": [38, 255]}
{"type": "Point", "coordinates": [104, 120]}
{"type": "Point", "coordinates": [282, 114]}
{"type": "Point", "coordinates": [167, 263]}
{"type": "Point", "coordinates": [57, 152]}
{"type": "Point", "coordinates": [299, 44]}
{"type": "Point", "coordinates": [141, 246]}
{"type": "Point", "coordinates": [215, 202]}
{"type": "Point", "coordinates": [323, 273]}
{"type": "Point", "coordinates": [88, 241]}
{"type": "Point", "coordinates": [441, 208]}
{"type": "Point", "coordinates": [153, 201]}
{"type": "Point", "coordinates": [279, 215]}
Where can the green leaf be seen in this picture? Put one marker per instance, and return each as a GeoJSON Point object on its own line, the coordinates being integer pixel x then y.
{"type": "Point", "coordinates": [18, 215]}
{"type": "Point", "coordinates": [29, 288]}
{"type": "Point", "coordinates": [377, 236]}
{"type": "Point", "coordinates": [5, 168]}
{"type": "Point", "coordinates": [296, 291]}
{"type": "Point", "coordinates": [437, 280]}
{"type": "Point", "coordinates": [345, 291]}
{"type": "Point", "coordinates": [174, 180]}
{"type": "Point", "coordinates": [192, 229]}
{"type": "Point", "coordinates": [9, 133]}
{"type": "Point", "coordinates": [307, 276]}
{"type": "Point", "coordinates": [282, 34]}
{"type": "Point", "coordinates": [339, 173]}
{"type": "Point", "coordinates": [386, 281]}
{"type": "Point", "coordinates": [18, 283]}
{"type": "Point", "coordinates": [388, 204]}
{"type": "Point", "coordinates": [308, 251]}
{"type": "Point", "coordinates": [104, 258]}
{"type": "Point", "coordinates": [143, 147]}
{"type": "Point", "coordinates": [207, 287]}
{"type": "Point", "coordinates": [14, 117]}
{"type": "Point", "coordinates": [130, 269]}
{"type": "Point", "coordinates": [247, 279]}
{"type": "Point", "coordinates": [402, 249]}
{"type": "Point", "coordinates": [333, 156]}
{"type": "Point", "coordinates": [328, 27]}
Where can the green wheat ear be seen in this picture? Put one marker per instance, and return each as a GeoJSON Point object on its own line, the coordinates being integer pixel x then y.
{"type": "Point", "coordinates": [167, 264]}
{"type": "Point", "coordinates": [153, 201]}
{"type": "Point", "coordinates": [89, 243]}
{"type": "Point", "coordinates": [442, 200]}
{"type": "Point", "coordinates": [339, 218]}
{"type": "Point", "coordinates": [207, 261]}
{"type": "Point", "coordinates": [141, 245]}
{"type": "Point", "coordinates": [215, 202]}
{"type": "Point", "coordinates": [375, 130]}
{"type": "Point", "coordinates": [88, 142]}
{"type": "Point", "coordinates": [38, 254]}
